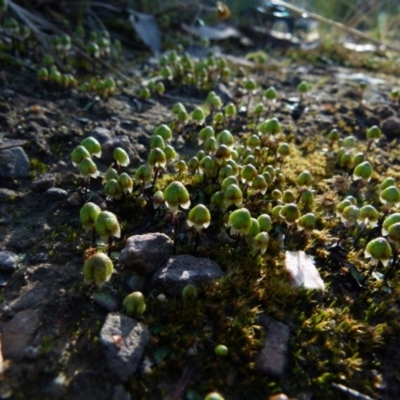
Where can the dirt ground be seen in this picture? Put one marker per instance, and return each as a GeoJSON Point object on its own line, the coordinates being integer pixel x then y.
{"type": "Point", "coordinates": [63, 358]}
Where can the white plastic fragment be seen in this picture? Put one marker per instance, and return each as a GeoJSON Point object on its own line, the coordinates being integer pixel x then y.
{"type": "Point", "coordinates": [302, 271]}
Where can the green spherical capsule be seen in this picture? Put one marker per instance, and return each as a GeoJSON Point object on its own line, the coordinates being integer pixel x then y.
{"type": "Point", "coordinates": [107, 226]}
{"type": "Point", "coordinates": [111, 173]}
{"type": "Point", "coordinates": [225, 137]}
{"type": "Point", "coordinates": [283, 150]}
{"type": "Point", "coordinates": [303, 87]}
{"type": "Point", "coordinates": [390, 220]}
{"type": "Point", "coordinates": [350, 215]}
{"type": "Point", "coordinates": [307, 197]}
{"type": "Point", "coordinates": [349, 142]}
{"type": "Point", "coordinates": [259, 184]}
{"type": "Point", "coordinates": [189, 293]}
{"type": "Point", "coordinates": [79, 154]}
{"type": "Point", "coordinates": [379, 250]}
{"type": "Point", "coordinates": [333, 135]}
{"type": "Point", "coordinates": [363, 171]}
{"type": "Point", "coordinates": [43, 74]}
{"type": "Point", "coordinates": [213, 396]}
{"type": "Point", "coordinates": [206, 133]}
{"type": "Point", "coordinates": [253, 141]}
{"type": "Point", "coordinates": [198, 115]}
{"type": "Point", "coordinates": [248, 173]}
{"type": "Point", "coordinates": [394, 234]}
{"type": "Point", "coordinates": [92, 145]}
{"type": "Point", "coordinates": [288, 196]}
{"type": "Point", "coordinates": [222, 154]}
{"type": "Point", "coordinates": [374, 133]}
{"type": "Point", "coordinates": [181, 166]}
{"type": "Point", "coordinates": [121, 156]}
{"type": "Point", "coordinates": [260, 242]}
{"type": "Point", "coordinates": [158, 199]}
{"type": "Point", "coordinates": [307, 223]}
{"type": "Point", "coordinates": [265, 222]}
{"type": "Point", "coordinates": [134, 304]}
{"type": "Point", "coordinates": [240, 221]}
{"type": "Point", "coordinates": [88, 215]}
{"type": "Point", "coordinates": [230, 110]}
{"type": "Point", "coordinates": [221, 350]}
{"type": "Point", "coordinates": [304, 180]}
{"type": "Point", "coordinates": [176, 195]}
{"type": "Point", "coordinates": [126, 183]}
{"type": "Point", "coordinates": [368, 216]}
{"type": "Point", "coordinates": [250, 85]}
{"type": "Point", "coordinates": [112, 189]}
{"type": "Point", "coordinates": [164, 131]}
{"type": "Point", "coordinates": [88, 168]}
{"type": "Point", "coordinates": [97, 269]}
{"type": "Point", "coordinates": [217, 199]}
{"type": "Point", "coordinates": [199, 217]}
{"type": "Point", "coordinates": [233, 195]}
{"type": "Point", "coordinates": [390, 196]}
{"type": "Point", "coordinates": [144, 93]}
{"type": "Point", "coordinates": [270, 93]}
{"type": "Point", "coordinates": [157, 158]}
{"type": "Point", "coordinates": [157, 141]}
{"type": "Point", "coordinates": [290, 213]}
{"type": "Point", "coordinates": [389, 181]}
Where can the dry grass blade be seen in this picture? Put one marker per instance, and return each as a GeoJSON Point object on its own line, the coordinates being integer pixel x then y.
{"type": "Point", "coordinates": [338, 26]}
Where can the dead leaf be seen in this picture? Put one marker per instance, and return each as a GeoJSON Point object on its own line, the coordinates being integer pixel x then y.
{"type": "Point", "coordinates": [147, 29]}
{"type": "Point", "coordinates": [302, 271]}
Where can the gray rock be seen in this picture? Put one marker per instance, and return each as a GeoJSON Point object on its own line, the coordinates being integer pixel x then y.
{"type": "Point", "coordinates": [30, 299]}
{"type": "Point", "coordinates": [44, 182]}
{"type": "Point", "coordinates": [8, 194]}
{"type": "Point", "coordinates": [8, 261]}
{"type": "Point", "coordinates": [18, 333]}
{"type": "Point", "coordinates": [273, 357]}
{"type": "Point", "coordinates": [145, 253]}
{"type": "Point", "coordinates": [101, 134]}
{"type": "Point", "coordinates": [14, 163]}
{"type": "Point", "coordinates": [119, 393]}
{"type": "Point", "coordinates": [124, 340]}
{"type": "Point", "coordinates": [119, 141]}
{"type": "Point", "coordinates": [391, 128]}
{"type": "Point", "coordinates": [56, 193]}
{"type": "Point", "coordinates": [182, 270]}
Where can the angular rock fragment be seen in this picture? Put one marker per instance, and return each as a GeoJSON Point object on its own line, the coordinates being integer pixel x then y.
{"type": "Point", "coordinates": [124, 341]}
{"type": "Point", "coordinates": [273, 357]}
{"type": "Point", "coordinates": [145, 253]}
{"type": "Point", "coordinates": [18, 333]}
{"type": "Point", "coordinates": [181, 270]}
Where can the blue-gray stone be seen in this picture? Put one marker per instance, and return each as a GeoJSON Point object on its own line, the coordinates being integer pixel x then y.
{"type": "Point", "coordinates": [14, 163]}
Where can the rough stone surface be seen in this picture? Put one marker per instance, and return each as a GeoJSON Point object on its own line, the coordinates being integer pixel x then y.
{"type": "Point", "coordinates": [391, 128]}
{"type": "Point", "coordinates": [18, 333]}
{"type": "Point", "coordinates": [101, 134]}
{"type": "Point", "coordinates": [145, 253]}
{"type": "Point", "coordinates": [182, 270]}
{"type": "Point", "coordinates": [44, 182]}
{"type": "Point", "coordinates": [56, 193]}
{"type": "Point", "coordinates": [124, 340]}
{"type": "Point", "coordinates": [30, 299]}
{"type": "Point", "coordinates": [8, 261]}
{"type": "Point", "coordinates": [8, 194]}
{"type": "Point", "coordinates": [14, 163]}
{"type": "Point", "coordinates": [273, 357]}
